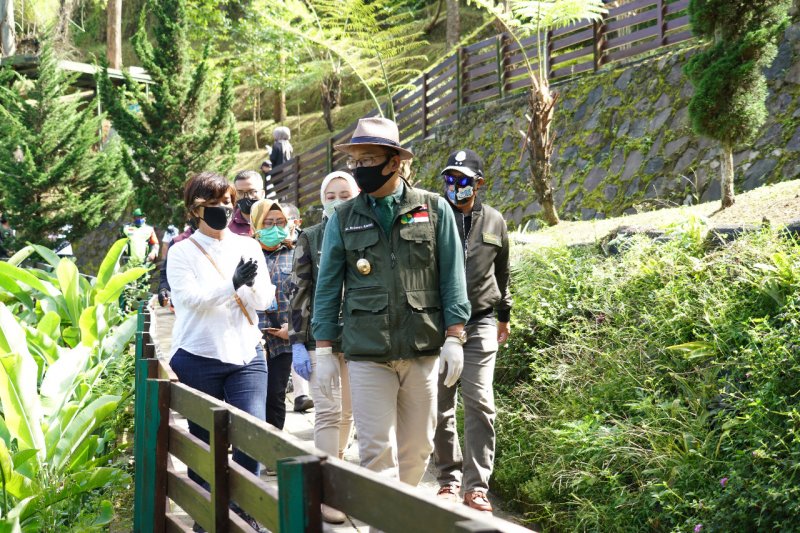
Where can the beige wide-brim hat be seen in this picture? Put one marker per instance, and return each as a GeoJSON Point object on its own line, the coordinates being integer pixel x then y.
{"type": "Point", "coordinates": [376, 131]}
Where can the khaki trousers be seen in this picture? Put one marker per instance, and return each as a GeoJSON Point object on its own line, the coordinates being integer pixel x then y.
{"type": "Point", "coordinates": [394, 406]}
{"type": "Point", "coordinates": [333, 419]}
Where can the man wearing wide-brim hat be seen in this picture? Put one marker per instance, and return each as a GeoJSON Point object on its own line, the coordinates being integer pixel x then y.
{"type": "Point", "coordinates": [396, 252]}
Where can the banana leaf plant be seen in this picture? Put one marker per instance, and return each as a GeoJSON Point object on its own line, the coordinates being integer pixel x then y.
{"type": "Point", "coordinates": [58, 333]}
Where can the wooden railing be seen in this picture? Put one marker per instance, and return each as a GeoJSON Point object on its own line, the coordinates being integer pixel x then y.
{"type": "Point", "coordinates": [306, 476]}
{"type": "Point", "coordinates": [495, 68]}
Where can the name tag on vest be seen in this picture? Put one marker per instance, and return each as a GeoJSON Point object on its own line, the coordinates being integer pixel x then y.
{"type": "Point", "coordinates": [491, 238]}
{"type": "Point", "coordinates": [362, 227]}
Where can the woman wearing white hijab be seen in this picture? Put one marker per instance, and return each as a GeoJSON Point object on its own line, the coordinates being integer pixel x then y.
{"type": "Point", "coordinates": [333, 419]}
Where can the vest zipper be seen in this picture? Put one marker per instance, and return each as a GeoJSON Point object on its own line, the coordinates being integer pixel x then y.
{"type": "Point", "coordinates": [394, 259]}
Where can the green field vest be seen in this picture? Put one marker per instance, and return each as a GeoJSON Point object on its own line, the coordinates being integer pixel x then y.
{"type": "Point", "coordinates": [314, 235]}
{"type": "Point", "coordinates": [395, 311]}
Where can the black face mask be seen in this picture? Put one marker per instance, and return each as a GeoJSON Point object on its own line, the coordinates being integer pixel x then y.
{"type": "Point", "coordinates": [370, 179]}
{"type": "Point", "coordinates": [245, 204]}
{"type": "Point", "coordinates": [217, 217]}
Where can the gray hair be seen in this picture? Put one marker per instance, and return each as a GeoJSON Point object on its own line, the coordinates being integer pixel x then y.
{"type": "Point", "coordinates": [290, 211]}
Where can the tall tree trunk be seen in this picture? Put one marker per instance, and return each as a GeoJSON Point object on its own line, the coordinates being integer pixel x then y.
{"type": "Point", "coordinates": [331, 92]}
{"type": "Point", "coordinates": [8, 37]}
{"type": "Point", "coordinates": [539, 142]}
{"type": "Point", "coordinates": [726, 177]}
{"type": "Point", "coordinates": [61, 35]}
{"type": "Point", "coordinates": [256, 116]}
{"type": "Point", "coordinates": [453, 23]}
{"type": "Point", "coordinates": [114, 33]}
{"type": "Point", "coordinates": [279, 106]}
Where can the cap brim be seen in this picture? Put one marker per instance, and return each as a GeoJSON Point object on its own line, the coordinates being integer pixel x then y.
{"type": "Point", "coordinates": [402, 152]}
{"type": "Point", "coordinates": [464, 170]}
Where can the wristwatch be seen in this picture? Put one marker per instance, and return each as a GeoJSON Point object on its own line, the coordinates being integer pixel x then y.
{"type": "Point", "coordinates": [461, 336]}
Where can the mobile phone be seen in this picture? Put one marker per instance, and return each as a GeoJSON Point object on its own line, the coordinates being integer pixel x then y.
{"type": "Point", "coordinates": [273, 320]}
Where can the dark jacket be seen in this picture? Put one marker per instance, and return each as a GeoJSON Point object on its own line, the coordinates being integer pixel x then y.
{"type": "Point", "coordinates": [279, 263]}
{"type": "Point", "coordinates": [486, 249]}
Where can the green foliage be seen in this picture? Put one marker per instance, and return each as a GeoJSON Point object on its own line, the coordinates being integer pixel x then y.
{"type": "Point", "coordinates": [173, 131]}
{"type": "Point", "coordinates": [59, 335]}
{"type": "Point", "coordinates": [52, 172]}
{"type": "Point", "coordinates": [730, 88]}
{"type": "Point", "coordinates": [376, 41]}
{"type": "Point", "coordinates": [655, 390]}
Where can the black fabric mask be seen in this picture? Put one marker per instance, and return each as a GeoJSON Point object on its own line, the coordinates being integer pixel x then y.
{"type": "Point", "coordinates": [370, 179]}
{"type": "Point", "coordinates": [245, 204]}
{"type": "Point", "coordinates": [217, 217]}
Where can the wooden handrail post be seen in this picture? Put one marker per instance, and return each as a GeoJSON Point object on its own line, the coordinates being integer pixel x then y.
{"type": "Point", "coordinates": [424, 92]}
{"type": "Point", "coordinates": [548, 54]}
{"type": "Point", "coordinates": [296, 172]}
{"type": "Point", "coordinates": [300, 494]}
{"type": "Point", "coordinates": [220, 489]}
{"type": "Point", "coordinates": [151, 450]}
{"type": "Point", "coordinates": [329, 156]}
{"type": "Point", "coordinates": [459, 78]}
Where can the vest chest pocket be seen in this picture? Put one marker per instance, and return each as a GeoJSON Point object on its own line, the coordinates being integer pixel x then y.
{"type": "Point", "coordinates": [418, 239]}
{"type": "Point", "coordinates": [366, 322]}
{"type": "Point", "coordinates": [427, 320]}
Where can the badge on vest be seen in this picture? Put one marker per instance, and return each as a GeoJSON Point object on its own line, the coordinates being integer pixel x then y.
{"type": "Point", "coordinates": [491, 238]}
{"type": "Point", "coordinates": [362, 227]}
{"type": "Point", "coordinates": [416, 217]}
{"type": "Point", "coordinates": [363, 266]}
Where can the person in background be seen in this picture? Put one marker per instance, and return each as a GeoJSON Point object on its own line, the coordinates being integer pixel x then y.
{"type": "Point", "coordinates": [485, 240]}
{"type": "Point", "coordinates": [219, 281]}
{"type": "Point", "coordinates": [266, 168]}
{"type": "Point", "coordinates": [166, 239]}
{"type": "Point", "coordinates": [249, 187]}
{"type": "Point", "coordinates": [395, 253]}
{"type": "Point", "coordinates": [274, 232]}
{"type": "Point", "coordinates": [282, 150]}
{"type": "Point", "coordinates": [142, 240]}
{"type": "Point", "coordinates": [7, 235]}
{"type": "Point", "coordinates": [163, 282]}
{"type": "Point", "coordinates": [333, 419]}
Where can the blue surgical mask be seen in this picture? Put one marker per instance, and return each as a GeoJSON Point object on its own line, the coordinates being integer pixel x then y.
{"type": "Point", "coordinates": [330, 207]}
{"type": "Point", "coordinates": [271, 237]}
{"type": "Point", "coordinates": [138, 221]}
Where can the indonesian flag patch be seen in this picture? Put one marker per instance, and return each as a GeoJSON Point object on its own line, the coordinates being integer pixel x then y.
{"type": "Point", "coordinates": [417, 217]}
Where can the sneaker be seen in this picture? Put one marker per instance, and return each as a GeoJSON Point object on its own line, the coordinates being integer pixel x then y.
{"type": "Point", "coordinates": [477, 500]}
{"type": "Point", "coordinates": [331, 515]}
{"type": "Point", "coordinates": [303, 403]}
{"type": "Point", "coordinates": [449, 492]}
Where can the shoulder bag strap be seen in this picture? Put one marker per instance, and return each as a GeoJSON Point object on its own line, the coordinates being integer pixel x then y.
{"type": "Point", "coordinates": [214, 264]}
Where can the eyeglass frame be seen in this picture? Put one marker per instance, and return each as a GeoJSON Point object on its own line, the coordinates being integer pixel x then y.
{"type": "Point", "coordinates": [266, 224]}
{"type": "Point", "coordinates": [353, 164]}
{"type": "Point", "coordinates": [252, 194]}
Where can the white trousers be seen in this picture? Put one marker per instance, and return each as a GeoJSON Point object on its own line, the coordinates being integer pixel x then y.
{"type": "Point", "coordinates": [333, 419]}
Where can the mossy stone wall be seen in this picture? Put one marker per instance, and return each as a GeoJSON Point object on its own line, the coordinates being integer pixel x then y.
{"type": "Point", "coordinates": [623, 141]}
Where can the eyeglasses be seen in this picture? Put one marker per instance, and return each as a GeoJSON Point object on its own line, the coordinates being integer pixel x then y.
{"type": "Point", "coordinates": [268, 223]}
{"type": "Point", "coordinates": [463, 181]}
{"type": "Point", "coordinates": [371, 161]}
{"type": "Point", "coordinates": [252, 194]}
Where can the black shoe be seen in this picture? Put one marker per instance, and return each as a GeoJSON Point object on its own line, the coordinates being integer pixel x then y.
{"type": "Point", "coordinates": [197, 529]}
{"type": "Point", "coordinates": [252, 523]}
{"type": "Point", "coordinates": [303, 403]}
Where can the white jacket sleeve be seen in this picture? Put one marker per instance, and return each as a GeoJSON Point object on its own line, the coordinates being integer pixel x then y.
{"type": "Point", "coordinates": [187, 289]}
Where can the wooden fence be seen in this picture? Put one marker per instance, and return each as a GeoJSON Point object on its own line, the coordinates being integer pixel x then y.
{"type": "Point", "coordinates": [306, 476]}
{"type": "Point", "coordinates": [495, 68]}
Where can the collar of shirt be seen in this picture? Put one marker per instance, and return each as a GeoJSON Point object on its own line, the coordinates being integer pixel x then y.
{"type": "Point", "coordinates": [210, 243]}
{"type": "Point", "coordinates": [391, 200]}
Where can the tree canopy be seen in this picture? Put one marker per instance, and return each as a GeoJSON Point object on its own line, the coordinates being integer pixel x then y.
{"type": "Point", "coordinates": [177, 128]}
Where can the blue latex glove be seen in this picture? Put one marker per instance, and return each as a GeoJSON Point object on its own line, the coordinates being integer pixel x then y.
{"type": "Point", "coordinates": [301, 362]}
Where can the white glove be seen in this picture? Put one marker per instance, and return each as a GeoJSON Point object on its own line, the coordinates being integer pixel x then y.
{"type": "Point", "coordinates": [327, 371]}
{"type": "Point", "coordinates": [452, 355]}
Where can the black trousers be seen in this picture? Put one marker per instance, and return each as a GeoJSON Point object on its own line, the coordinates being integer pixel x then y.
{"type": "Point", "coordinates": [279, 369]}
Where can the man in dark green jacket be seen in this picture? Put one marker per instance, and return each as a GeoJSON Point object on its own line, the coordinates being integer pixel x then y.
{"type": "Point", "coordinates": [486, 249]}
{"type": "Point", "coordinates": [395, 250]}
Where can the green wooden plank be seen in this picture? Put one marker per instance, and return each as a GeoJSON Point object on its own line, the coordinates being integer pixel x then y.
{"type": "Point", "coordinates": [299, 497]}
{"type": "Point", "coordinates": [218, 443]}
{"type": "Point", "coordinates": [138, 436]}
{"type": "Point", "coordinates": [255, 497]}
{"type": "Point", "coordinates": [151, 463]}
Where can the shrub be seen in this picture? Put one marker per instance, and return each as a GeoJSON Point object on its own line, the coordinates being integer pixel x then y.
{"type": "Point", "coordinates": [654, 390]}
